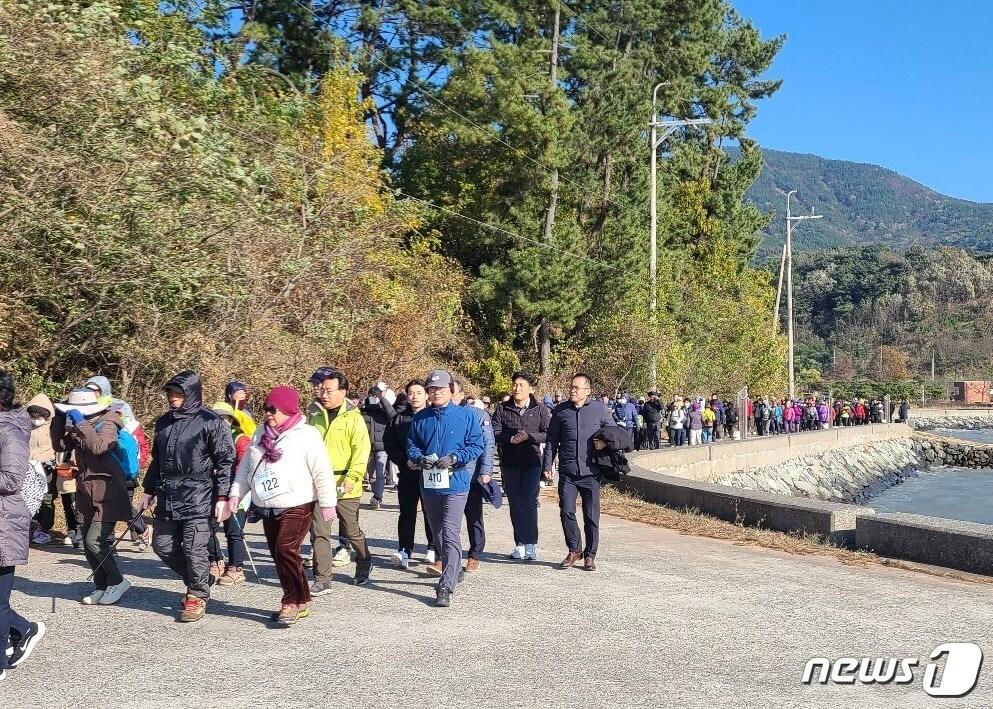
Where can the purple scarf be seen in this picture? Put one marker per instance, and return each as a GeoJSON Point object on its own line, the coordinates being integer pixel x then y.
{"type": "Point", "coordinates": [271, 453]}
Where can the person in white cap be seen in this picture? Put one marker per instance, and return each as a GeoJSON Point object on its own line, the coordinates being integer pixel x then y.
{"type": "Point", "coordinates": [90, 430]}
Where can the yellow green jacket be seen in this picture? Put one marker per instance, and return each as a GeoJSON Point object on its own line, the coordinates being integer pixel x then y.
{"type": "Point", "coordinates": [347, 441]}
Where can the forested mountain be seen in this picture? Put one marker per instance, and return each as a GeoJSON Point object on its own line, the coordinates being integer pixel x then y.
{"type": "Point", "coordinates": [862, 204]}
{"type": "Point", "coordinates": [872, 312]}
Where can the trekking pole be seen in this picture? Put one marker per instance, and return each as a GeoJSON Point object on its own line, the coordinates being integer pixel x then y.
{"type": "Point", "coordinates": [244, 541]}
{"type": "Point", "coordinates": [119, 540]}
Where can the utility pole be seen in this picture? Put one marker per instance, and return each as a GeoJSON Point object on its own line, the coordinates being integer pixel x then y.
{"type": "Point", "coordinates": [789, 282]}
{"type": "Point", "coordinates": [545, 354]}
{"type": "Point", "coordinates": [655, 140]}
{"type": "Point", "coordinates": [932, 365]}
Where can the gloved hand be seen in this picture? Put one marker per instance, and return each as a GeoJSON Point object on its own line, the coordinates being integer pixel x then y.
{"type": "Point", "coordinates": [426, 463]}
{"type": "Point", "coordinates": [74, 417]}
{"type": "Point", "coordinates": [330, 514]}
{"type": "Point", "coordinates": [447, 462]}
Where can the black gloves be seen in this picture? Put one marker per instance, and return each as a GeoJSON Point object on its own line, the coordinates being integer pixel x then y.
{"type": "Point", "coordinates": [447, 462]}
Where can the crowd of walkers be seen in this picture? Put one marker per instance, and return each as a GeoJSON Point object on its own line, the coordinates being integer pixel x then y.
{"type": "Point", "coordinates": [697, 420]}
{"type": "Point", "coordinates": [297, 467]}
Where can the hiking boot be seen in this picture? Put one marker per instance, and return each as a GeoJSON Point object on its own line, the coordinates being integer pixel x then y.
{"type": "Point", "coordinates": [288, 615]}
{"type": "Point", "coordinates": [342, 557]}
{"type": "Point", "coordinates": [26, 645]}
{"type": "Point", "coordinates": [443, 599]}
{"type": "Point", "coordinates": [216, 571]}
{"type": "Point", "coordinates": [571, 559]}
{"type": "Point", "coordinates": [434, 569]}
{"type": "Point", "coordinates": [113, 593]}
{"type": "Point", "coordinates": [233, 575]}
{"type": "Point", "coordinates": [320, 588]}
{"type": "Point", "coordinates": [193, 609]}
{"type": "Point", "coordinates": [472, 564]}
{"type": "Point", "coordinates": [589, 564]}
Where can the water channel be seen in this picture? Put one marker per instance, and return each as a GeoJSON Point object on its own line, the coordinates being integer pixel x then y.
{"type": "Point", "coordinates": [949, 492]}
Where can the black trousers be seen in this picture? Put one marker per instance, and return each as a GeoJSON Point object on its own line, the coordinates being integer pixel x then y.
{"type": "Point", "coordinates": [409, 495]}
{"type": "Point", "coordinates": [182, 545]}
{"type": "Point", "coordinates": [13, 626]}
{"type": "Point", "coordinates": [98, 542]}
{"type": "Point", "coordinates": [588, 488]}
{"type": "Point", "coordinates": [654, 441]}
{"type": "Point", "coordinates": [474, 520]}
{"type": "Point", "coordinates": [234, 532]}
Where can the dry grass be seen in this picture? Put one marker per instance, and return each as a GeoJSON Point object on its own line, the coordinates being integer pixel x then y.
{"type": "Point", "coordinates": [631, 507]}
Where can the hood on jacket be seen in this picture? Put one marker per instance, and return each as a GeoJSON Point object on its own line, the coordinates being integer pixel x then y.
{"type": "Point", "coordinates": [189, 383]}
{"type": "Point", "coordinates": [102, 382]}
{"type": "Point", "coordinates": [42, 402]}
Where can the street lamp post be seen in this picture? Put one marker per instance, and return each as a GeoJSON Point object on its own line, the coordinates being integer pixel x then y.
{"type": "Point", "coordinates": [655, 140]}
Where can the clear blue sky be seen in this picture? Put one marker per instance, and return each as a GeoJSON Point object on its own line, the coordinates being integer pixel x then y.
{"type": "Point", "coordinates": [906, 84]}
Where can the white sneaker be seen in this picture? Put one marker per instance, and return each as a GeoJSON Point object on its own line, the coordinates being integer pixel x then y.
{"type": "Point", "coordinates": [429, 557]}
{"type": "Point", "coordinates": [113, 593]}
{"type": "Point", "coordinates": [401, 559]}
{"type": "Point", "coordinates": [67, 541]}
{"type": "Point", "coordinates": [40, 537]}
{"type": "Point", "coordinates": [342, 557]}
{"type": "Point", "coordinates": [92, 598]}
{"type": "Point", "coordinates": [518, 552]}
{"type": "Point", "coordinates": [531, 552]}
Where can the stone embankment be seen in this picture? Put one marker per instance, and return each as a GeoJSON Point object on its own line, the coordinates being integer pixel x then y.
{"type": "Point", "coordinates": [861, 472]}
{"type": "Point", "coordinates": [953, 423]}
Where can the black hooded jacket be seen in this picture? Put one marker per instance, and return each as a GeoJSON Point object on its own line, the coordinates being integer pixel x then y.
{"type": "Point", "coordinates": [395, 436]}
{"type": "Point", "coordinates": [192, 456]}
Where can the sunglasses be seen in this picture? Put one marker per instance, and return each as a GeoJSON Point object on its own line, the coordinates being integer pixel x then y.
{"type": "Point", "coordinates": [270, 409]}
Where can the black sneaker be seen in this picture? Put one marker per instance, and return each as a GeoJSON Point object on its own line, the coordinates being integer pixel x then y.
{"type": "Point", "coordinates": [444, 599]}
{"type": "Point", "coordinates": [25, 647]}
{"type": "Point", "coordinates": [361, 577]}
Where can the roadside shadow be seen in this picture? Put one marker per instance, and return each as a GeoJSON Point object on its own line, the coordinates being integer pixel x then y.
{"type": "Point", "coordinates": [491, 558]}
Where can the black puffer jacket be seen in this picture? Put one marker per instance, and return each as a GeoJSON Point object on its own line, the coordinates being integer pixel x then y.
{"type": "Point", "coordinates": [533, 420]}
{"type": "Point", "coordinates": [377, 419]}
{"type": "Point", "coordinates": [395, 437]}
{"type": "Point", "coordinates": [192, 456]}
{"type": "Point", "coordinates": [570, 437]}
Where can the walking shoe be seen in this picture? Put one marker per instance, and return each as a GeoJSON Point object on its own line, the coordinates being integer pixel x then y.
{"type": "Point", "coordinates": [531, 552]}
{"type": "Point", "coordinates": [434, 569]}
{"type": "Point", "coordinates": [302, 612]}
{"type": "Point", "coordinates": [471, 564]}
{"type": "Point", "coordinates": [361, 577]}
{"type": "Point", "coordinates": [571, 559]}
{"type": "Point", "coordinates": [518, 552]}
{"type": "Point", "coordinates": [375, 503]}
{"type": "Point", "coordinates": [308, 559]}
{"type": "Point", "coordinates": [402, 559]}
{"type": "Point", "coordinates": [3, 674]}
{"type": "Point", "coordinates": [342, 557]}
{"type": "Point", "coordinates": [443, 599]}
{"type": "Point", "coordinates": [193, 609]}
{"type": "Point", "coordinates": [288, 615]}
{"type": "Point", "coordinates": [320, 588]}
{"type": "Point", "coordinates": [140, 544]}
{"type": "Point", "coordinates": [430, 557]}
{"type": "Point", "coordinates": [67, 541]}
{"type": "Point", "coordinates": [589, 564]}
{"type": "Point", "coordinates": [26, 645]}
{"type": "Point", "coordinates": [77, 538]}
{"type": "Point", "coordinates": [216, 571]}
{"type": "Point", "coordinates": [233, 575]}
{"type": "Point", "coordinates": [113, 593]}
{"type": "Point", "coordinates": [92, 598]}
{"type": "Point", "coordinates": [41, 537]}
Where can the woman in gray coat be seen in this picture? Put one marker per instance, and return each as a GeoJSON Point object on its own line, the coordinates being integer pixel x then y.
{"type": "Point", "coordinates": [15, 521]}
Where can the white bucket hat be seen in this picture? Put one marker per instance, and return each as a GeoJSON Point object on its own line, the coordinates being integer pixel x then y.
{"type": "Point", "coordinates": [85, 401]}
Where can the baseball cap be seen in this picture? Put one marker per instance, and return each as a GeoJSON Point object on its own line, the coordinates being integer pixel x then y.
{"type": "Point", "coordinates": [438, 378]}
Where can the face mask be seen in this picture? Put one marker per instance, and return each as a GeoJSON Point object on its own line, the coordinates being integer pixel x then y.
{"type": "Point", "coordinates": [622, 402]}
{"type": "Point", "coordinates": [37, 423]}
{"type": "Point", "coordinates": [373, 400]}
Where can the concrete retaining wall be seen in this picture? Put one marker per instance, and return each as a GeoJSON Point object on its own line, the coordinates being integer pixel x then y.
{"type": "Point", "coordinates": [930, 540]}
{"type": "Point", "coordinates": [708, 463]}
{"type": "Point", "coordinates": [955, 422]}
{"type": "Point", "coordinates": [753, 508]}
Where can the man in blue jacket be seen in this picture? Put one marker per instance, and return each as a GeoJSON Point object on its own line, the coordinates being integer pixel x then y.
{"type": "Point", "coordinates": [444, 441]}
{"type": "Point", "coordinates": [570, 437]}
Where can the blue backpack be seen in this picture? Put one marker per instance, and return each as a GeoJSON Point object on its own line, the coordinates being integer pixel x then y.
{"type": "Point", "coordinates": [125, 454]}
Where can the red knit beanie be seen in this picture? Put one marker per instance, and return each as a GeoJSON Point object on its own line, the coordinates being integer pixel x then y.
{"type": "Point", "coordinates": [284, 398]}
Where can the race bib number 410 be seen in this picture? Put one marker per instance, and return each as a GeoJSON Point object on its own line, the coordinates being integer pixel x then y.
{"type": "Point", "coordinates": [437, 479]}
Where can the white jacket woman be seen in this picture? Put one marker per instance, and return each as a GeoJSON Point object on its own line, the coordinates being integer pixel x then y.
{"type": "Point", "coordinates": [302, 474]}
